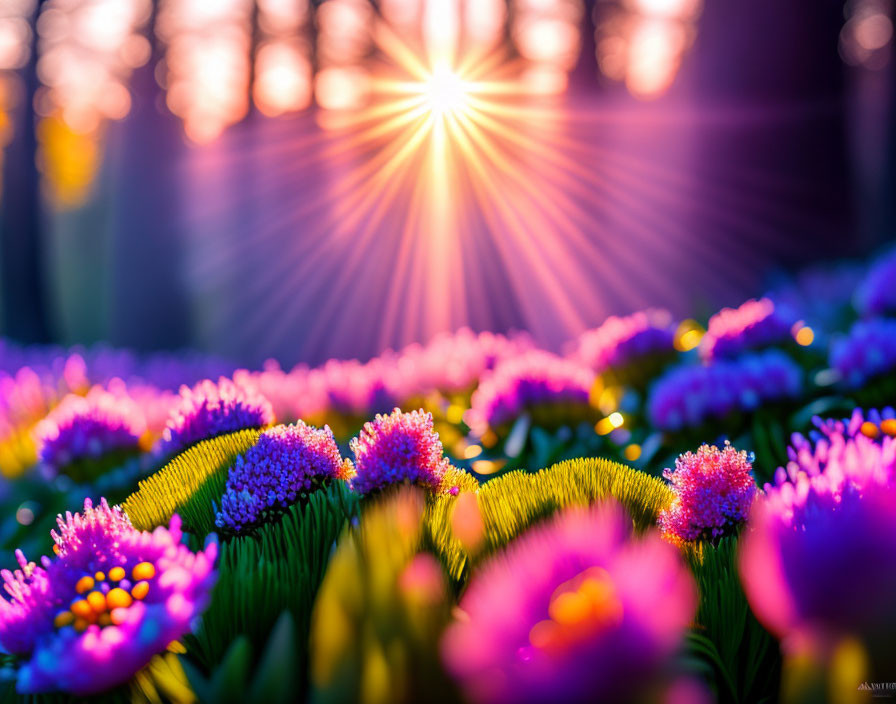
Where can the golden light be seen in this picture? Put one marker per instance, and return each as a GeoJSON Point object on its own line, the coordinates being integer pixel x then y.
{"type": "Point", "coordinates": [445, 91]}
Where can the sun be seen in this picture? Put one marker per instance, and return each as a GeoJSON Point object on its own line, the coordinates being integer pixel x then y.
{"type": "Point", "coordinates": [445, 91]}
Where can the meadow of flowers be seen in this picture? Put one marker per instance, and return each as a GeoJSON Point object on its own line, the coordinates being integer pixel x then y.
{"type": "Point", "coordinates": [663, 511]}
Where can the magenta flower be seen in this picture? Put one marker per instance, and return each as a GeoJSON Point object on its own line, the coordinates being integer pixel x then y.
{"type": "Point", "coordinates": [537, 382]}
{"type": "Point", "coordinates": [210, 409]}
{"type": "Point", "coordinates": [396, 448]}
{"type": "Point", "coordinates": [575, 610]}
{"type": "Point", "coordinates": [113, 598]}
{"type": "Point", "coordinates": [287, 461]}
{"type": "Point", "coordinates": [754, 325]}
{"type": "Point", "coordinates": [714, 490]}
{"type": "Point", "coordinates": [89, 427]}
{"type": "Point", "coordinates": [622, 342]}
{"type": "Point", "coordinates": [818, 561]}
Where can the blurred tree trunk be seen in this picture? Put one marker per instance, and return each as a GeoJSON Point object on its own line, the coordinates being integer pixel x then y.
{"type": "Point", "coordinates": [21, 227]}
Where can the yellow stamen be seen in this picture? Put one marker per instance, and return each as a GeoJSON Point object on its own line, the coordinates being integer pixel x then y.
{"type": "Point", "coordinates": [145, 570]}
{"type": "Point", "coordinates": [140, 590]}
{"type": "Point", "coordinates": [116, 574]}
{"type": "Point", "coordinates": [104, 620]}
{"type": "Point", "coordinates": [81, 624]}
{"type": "Point", "coordinates": [81, 609]}
{"type": "Point", "coordinates": [97, 601]}
{"type": "Point", "coordinates": [869, 429]}
{"type": "Point", "coordinates": [99, 576]}
{"type": "Point", "coordinates": [85, 584]}
{"type": "Point", "coordinates": [888, 425]}
{"type": "Point", "coordinates": [118, 599]}
{"type": "Point", "coordinates": [64, 619]}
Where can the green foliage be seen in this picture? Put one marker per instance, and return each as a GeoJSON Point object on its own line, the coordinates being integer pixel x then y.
{"type": "Point", "coordinates": [381, 610]}
{"type": "Point", "coordinates": [514, 501]}
{"type": "Point", "coordinates": [744, 657]}
{"type": "Point", "coordinates": [274, 681]}
{"type": "Point", "coordinates": [277, 568]}
{"type": "Point", "coordinates": [189, 485]}
{"type": "Point", "coordinates": [161, 681]}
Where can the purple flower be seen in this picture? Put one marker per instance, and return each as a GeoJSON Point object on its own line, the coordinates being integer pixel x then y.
{"type": "Point", "coordinates": [867, 352]}
{"type": "Point", "coordinates": [622, 342]}
{"type": "Point", "coordinates": [88, 427]}
{"type": "Point", "coordinates": [286, 461]}
{"type": "Point", "coordinates": [113, 597]}
{"type": "Point", "coordinates": [714, 490]}
{"type": "Point", "coordinates": [819, 560]}
{"type": "Point", "coordinates": [575, 610]}
{"type": "Point", "coordinates": [537, 382]}
{"type": "Point", "coordinates": [396, 448]}
{"type": "Point", "coordinates": [754, 325]}
{"type": "Point", "coordinates": [688, 396]}
{"type": "Point", "coordinates": [821, 294]}
{"type": "Point", "coordinates": [210, 409]}
{"type": "Point", "coordinates": [876, 294]}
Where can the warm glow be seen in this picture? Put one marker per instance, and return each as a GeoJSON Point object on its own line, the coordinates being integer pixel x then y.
{"type": "Point", "coordinates": [445, 91]}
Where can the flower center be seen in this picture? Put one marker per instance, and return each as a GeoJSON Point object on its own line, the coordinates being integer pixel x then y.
{"type": "Point", "coordinates": [103, 599]}
{"type": "Point", "coordinates": [579, 609]}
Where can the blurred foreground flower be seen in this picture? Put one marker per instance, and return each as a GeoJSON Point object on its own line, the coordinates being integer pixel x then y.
{"type": "Point", "coordinates": [113, 598]}
{"type": "Point", "coordinates": [714, 490]}
{"type": "Point", "coordinates": [818, 563]}
{"type": "Point", "coordinates": [210, 409]}
{"type": "Point", "coordinates": [575, 610]}
{"type": "Point", "coordinates": [286, 462]}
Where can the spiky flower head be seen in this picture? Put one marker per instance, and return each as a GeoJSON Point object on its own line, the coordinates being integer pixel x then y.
{"type": "Point", "coordinates": [86, 428]}
{"type": "Point", "coordinates": [818, 561]}
{"type": "Point", "coordinates": [112, 598]}
{"type": "Point", "coordinates": [867, 352]}
{"type": "Point", "coordinates": [688, 396]}
{"type": "Point", "coordinates": [396, 448]}
{"type": "Point", "coordinates": [754, 325]}
{"type": "Point", "coordinates": [714, 490]}
{"type": "Point", "coordinates": [210, 409]}
{"type": "Point", "coordinates": [286, 462]}
{"type": "Point", "coordinates": [575, 610]}
{"type": "Point", "coordinates": [551, 387]}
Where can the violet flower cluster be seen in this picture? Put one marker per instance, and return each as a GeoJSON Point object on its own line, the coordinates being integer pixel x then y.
{"type": "Point", "coordinates": [822, 294]}
{"type": "Point", "coordinates": [210, 409]}
{"type": "Point", "coordinates": [399, 447]}
{"type": "Point", "coordinates": [577, 609]}
{"type": "Point", "coordinates": [754, 325]}
{"type": "Point", "coordinates": [112, 598]}
{"type": "Point", "coordinates": [869, 351]}
{"type": "Point", "coordinates": [819, 560]}
{"type": "Point", "coordinates": [286, 462]}
{"type": "Point", "coordinates": [622, 342]}
{"type": "Point", "coordinates": [714, 491]}
{"type": "Point", "coordinates": [536, 382]}
{"type": "Point", "coordinates": [689, 396]}
{"type": "Point", "coordinates": [876, 295]}
{"type": "Point", "coordinates": [89, 427]}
